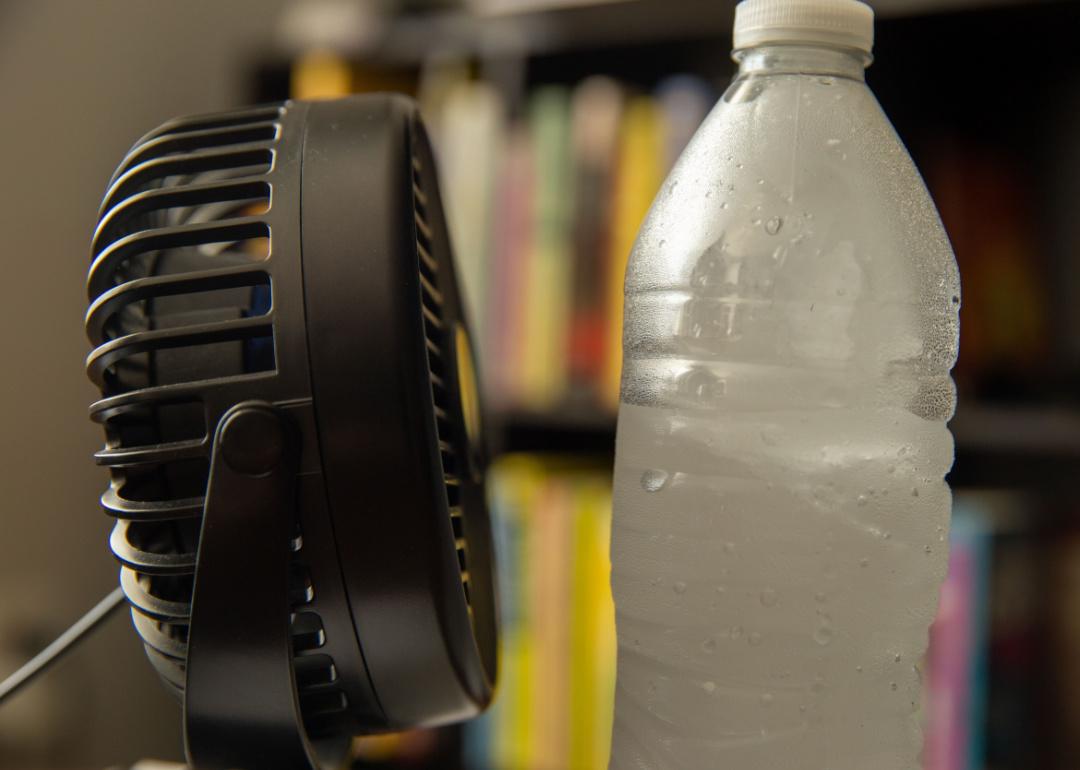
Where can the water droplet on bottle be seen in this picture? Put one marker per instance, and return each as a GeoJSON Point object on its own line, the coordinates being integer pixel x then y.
{"type": "Point", "coordinates": [914, 491]}
{"type": "Point", "coordinates": [894, 686]}
{"type": "Point", "coordinates": [823, 635]}
{"type": "Point", "coordinates": [709, 645]}
{"type": "Point", "coordinates": [820, 597]}
{"type": "Point", "coordinates": [729, 547]}
{"type": "Point", "coordinates": [721, 590]}
{"type": "Point", "coordinates": [897, 658]}
{"type": "Point", "coordinates": [767, 699]}
{"type": "Point", "coordinates": [736, 632]}
{"type": "Point", "coordinates": [864, 562]}
{"type": "Point", "coordinates": [662, 243]}
{"type": "Point", "coordinates": [861, 500]}
{"type": "Point", "coordinates": [772, 226]}
{"type": "Point", "coordinates": [768, 597]}
{"type": "Point", "coordinates": [761, 181]}
{"type": "Point", "coordinates": [708, 193]}
{"type": "Point", "coordinates": [890, 469]}
{"type": "Point", "coordinates": [928, 549]}
{"type": "Point", "coordinates": [709, 687]}
{"type": "Point", "coordinates": [858, 669]}
{"type": "Point", "coordinates": [680, 587]}
{"type": "Point", "coordinates": [832, 142]}
{"type": "Point", "coordinates": [724, 205]}
{"type": "Point", "coordinates": [754, 639]}
{"type": "Point", "coordinates": [654, 480]}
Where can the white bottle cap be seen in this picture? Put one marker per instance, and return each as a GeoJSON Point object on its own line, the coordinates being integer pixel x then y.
{"type": "Point", "coordinates": [847, 23]}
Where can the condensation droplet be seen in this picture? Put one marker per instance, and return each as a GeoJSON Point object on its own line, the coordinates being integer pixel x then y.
{"type": "Point", "coordinates": [767, 699]}
{"type": "Point", "coordinates": [654, 480]}
{"type": "Point", "coordinates": [680, 587]}
{"type": "Point", "coordinates": [894, 686]}
{"type": "Point", "coordinates": [769, 597]}
{"type": "Point", "coordinates": [914, 491]}
{"type": "Point", "coordinates": [864, 562]}
{"type": "Point", "coordinates": [820, 597]}
{"type": "Point", "coordinates": [709, 645]}
{"type": "Point", "coordinates": [736, 632]}
{"type": "Point", "coordinates": [709, 687]}
{"type": "Point", "coordinates": [897, 658]}
{"type": "Point", "coordinates": [832, 142]}
{"type": "Point", "coordinates": [754, 639]}
{"type": "Point", "coordinates": [773, 226]}
{"type": "Point", "coordinates": [928, 549]}
{"type": "Point", "coordinates": [861, 500]}
{"type": "Point", "coordinates": [729, 547]}
{"type": "Point", "coordinates": [823, 635]}
{"type": "Point", "coordinates": [724, 205]}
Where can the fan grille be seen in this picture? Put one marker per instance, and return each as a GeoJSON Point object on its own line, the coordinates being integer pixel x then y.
{"type": "Point", "coordinates": [437, 338]}
{"type": "Point", "coordinates": [182, 319]}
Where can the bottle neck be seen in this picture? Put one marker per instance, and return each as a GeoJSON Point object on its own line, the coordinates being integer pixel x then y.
{"type": "Point", "coordinates": [803, 60]}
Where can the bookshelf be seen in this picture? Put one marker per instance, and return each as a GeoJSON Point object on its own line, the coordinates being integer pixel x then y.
{"type": "Point", "coordinates": [952, 75]}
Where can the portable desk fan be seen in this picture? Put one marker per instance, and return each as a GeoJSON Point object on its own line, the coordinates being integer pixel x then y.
{"type": "Point", "coordinates": [293, 429]}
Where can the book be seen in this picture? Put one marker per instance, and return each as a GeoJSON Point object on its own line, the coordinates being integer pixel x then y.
{"type": "Point", "coordinates": [956, 666]}
{"type": "Point", "coordinates": [638, 173]}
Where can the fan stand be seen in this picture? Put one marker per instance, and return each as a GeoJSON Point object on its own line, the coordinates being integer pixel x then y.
{"type": "Point", "coordinates": [241, 708]}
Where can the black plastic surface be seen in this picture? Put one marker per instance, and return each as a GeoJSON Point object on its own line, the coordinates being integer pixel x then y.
{"type": "Point", "coordinates": [295, 255]}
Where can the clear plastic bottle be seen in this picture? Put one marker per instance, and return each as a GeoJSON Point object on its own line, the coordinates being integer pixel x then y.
{"type": "Point", "coordinates": [781, 514]}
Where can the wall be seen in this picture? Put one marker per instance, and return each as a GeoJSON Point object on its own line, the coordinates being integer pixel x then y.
{"type": "Point", "coordinates": [79, 82]}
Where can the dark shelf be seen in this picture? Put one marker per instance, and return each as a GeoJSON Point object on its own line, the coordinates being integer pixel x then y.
{"type": "Point", "coordinates": [996, 445]}
{"type": "Point", "coordinates": [515, 28]}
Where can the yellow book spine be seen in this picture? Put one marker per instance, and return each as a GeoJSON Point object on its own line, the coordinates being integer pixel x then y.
{"type": "Point", "coordinates": [638, 175]}
{"type": "Point", "coordinates": [593, 628]}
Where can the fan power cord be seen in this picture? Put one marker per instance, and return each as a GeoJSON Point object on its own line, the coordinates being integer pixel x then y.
{"type": "Point", "coordinates": [78, 631]}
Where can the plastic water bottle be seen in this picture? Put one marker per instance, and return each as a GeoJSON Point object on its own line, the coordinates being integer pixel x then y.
{"type": "Point", "coordinates": [781, 513]}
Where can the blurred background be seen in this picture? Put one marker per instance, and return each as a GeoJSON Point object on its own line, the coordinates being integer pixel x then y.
{"type": "Point", "coordinates": [555, 122]}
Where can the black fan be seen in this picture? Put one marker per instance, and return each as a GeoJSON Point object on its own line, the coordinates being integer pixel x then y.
{"type": "Point", "coordinates": [293, 429]}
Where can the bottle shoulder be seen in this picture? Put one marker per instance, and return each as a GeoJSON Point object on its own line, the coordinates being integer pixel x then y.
{"type": "Point", "coordinates": [797, 164]}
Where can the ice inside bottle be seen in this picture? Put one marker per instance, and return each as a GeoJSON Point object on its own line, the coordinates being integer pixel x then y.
{"type": "Point", "coordinates": [781, 513]}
